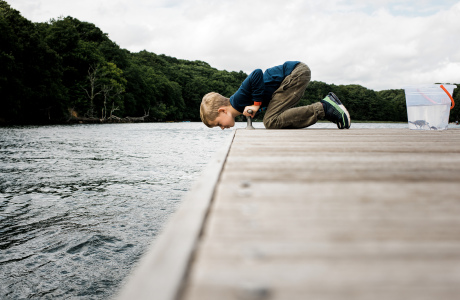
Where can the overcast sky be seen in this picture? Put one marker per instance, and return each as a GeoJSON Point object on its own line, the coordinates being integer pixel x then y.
{"type": "Point", "coordinates": [380, 44]}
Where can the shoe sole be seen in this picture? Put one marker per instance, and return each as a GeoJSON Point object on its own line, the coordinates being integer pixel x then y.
{"type": "Point", "coordinates": [338, 104]}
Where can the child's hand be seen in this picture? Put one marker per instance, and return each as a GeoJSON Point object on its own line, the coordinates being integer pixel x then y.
{"type": "Point", "coordinates": [254, 109]}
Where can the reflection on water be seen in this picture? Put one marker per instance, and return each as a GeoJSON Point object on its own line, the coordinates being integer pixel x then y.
{"type": "Point", "coordinates": [79, 204]}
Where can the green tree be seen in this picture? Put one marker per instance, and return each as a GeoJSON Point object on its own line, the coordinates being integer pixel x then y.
{"type": "Point", "coordinates": [77, 55]}
{"type": "Point", "coordinates": [113, 85]}
{"type": "Point", "coordinates": [315, 92]}
{"type": "Point", "coordinates": [30, 82]}
{"type": "Point", "coordinates": [455, 112]}
{"type": "Point", "coordinates": [395, 102]}
{"type": "Point", "coordinates": [105, 83]}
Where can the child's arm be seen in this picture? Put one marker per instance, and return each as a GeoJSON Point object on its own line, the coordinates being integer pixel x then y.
{"type": "Point", "coordinates": [257, 88]}
{"type": "Point", "coordinates": [250, 93]}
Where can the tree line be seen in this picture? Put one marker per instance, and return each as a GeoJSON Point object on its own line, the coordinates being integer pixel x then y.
{"type": "Point", "coordinates": [66, 70]}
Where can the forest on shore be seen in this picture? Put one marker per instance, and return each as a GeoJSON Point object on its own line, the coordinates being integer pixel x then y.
{"type": "Point", "coordinates": [67, 70]}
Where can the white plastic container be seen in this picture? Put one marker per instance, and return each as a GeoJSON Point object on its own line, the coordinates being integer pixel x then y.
{"type": "Point", "coordinates": [428, 106]}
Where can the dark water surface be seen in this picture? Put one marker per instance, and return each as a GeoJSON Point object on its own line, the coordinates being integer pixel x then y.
{"type": "Point", "coordinates": [79, 204]}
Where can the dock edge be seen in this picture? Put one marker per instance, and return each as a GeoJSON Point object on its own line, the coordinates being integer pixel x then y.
{"type": "Point", "coordinates": [162, 269]}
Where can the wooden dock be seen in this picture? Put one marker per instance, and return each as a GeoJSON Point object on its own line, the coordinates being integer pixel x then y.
{"type": "Point", "coordinates": [315, 214]}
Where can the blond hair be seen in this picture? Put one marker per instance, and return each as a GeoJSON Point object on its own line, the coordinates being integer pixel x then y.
{"type": "Point", "coordinates": [210, 105]}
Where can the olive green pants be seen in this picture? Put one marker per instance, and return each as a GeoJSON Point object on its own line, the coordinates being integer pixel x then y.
{"type": "Point", "coordinates": [281, 112]}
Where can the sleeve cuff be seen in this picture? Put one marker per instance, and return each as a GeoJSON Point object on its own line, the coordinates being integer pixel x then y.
{"type": "Point", "coordinates": [258, 103]}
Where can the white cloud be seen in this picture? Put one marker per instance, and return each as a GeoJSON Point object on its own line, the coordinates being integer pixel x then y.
{"type": "Point", "coordinates": [380, 44]}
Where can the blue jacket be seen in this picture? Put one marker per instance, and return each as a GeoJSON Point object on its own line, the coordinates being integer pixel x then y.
{"type": "Point", "coordinates": [258, 87]}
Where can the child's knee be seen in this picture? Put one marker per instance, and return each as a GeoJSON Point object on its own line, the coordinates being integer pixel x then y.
{"type": "Point", "coordinates": [270, 123]}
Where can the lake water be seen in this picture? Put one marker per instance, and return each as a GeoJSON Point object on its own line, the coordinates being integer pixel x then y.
{"type": "Point", "coordinates": [79, 204]}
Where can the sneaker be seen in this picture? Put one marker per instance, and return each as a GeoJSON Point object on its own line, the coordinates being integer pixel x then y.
{"type": "Point", "coordinates": [335, 111]}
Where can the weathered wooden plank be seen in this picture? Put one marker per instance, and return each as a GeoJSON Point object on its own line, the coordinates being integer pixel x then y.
{"type": "Point", "coordinates": [366, 169]}
{"type": "Point", "coordinates": [289, 212]}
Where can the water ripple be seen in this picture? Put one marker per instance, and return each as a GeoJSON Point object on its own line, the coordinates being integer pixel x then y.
{"type": "Point", "coordinates": [80, 204]}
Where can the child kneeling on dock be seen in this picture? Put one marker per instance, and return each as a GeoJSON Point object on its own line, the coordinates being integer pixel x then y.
{"type": "Point", "coordinates": [278, 90]}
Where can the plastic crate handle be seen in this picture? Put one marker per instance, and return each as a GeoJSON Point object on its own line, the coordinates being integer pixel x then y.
{"type": "Point", "coordinates": [450, 96]}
